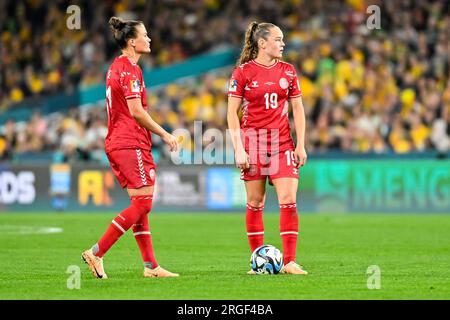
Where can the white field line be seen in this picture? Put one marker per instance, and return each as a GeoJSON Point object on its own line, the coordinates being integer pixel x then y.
{"type": "Point", "coordinates": [21, 229]}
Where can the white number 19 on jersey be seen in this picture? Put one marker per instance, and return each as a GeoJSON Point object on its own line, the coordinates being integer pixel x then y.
{"type": "Point", "coordinates": [271, 100]}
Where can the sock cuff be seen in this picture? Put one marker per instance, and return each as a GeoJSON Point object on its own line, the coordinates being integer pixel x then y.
{"type": "Point", "coordinates": [142, 203]}
{"type": "Point", "coordinates": [252, 208]}
{"type": "Point", "coordinates": [288, 205]}
{"type": "Point", "coordinates": [95, 249]}
{"type": "Point", "coordinates": [147, 197]}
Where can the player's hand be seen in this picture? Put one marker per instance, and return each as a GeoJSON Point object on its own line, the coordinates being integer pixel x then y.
{"type": "Point", "coordinates": [300, 156]}
{"type": "Point", "coordinates": [242, 159]}
{"type": "Point", "coordinates": [171, 142]}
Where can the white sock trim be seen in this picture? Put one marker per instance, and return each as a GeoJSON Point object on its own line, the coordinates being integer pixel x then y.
{"type": "Point", "coordinates": [255, 208]}
{"type": "Point", "coordinates": [287, 206]}
{"type": "Point", "coordinates": [288, 232]}
{"type": "Point", "coordinates": [142, 232]}
{"type": "Point", "coordinates": [118, 226]}
{"type": "Point", "coordinates": [254, 233]}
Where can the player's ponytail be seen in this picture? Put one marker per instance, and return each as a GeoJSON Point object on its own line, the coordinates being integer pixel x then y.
{"type": "Point", "coordinates": [123, 30]}
{"type": "Point", "coordinates": [254, 32]}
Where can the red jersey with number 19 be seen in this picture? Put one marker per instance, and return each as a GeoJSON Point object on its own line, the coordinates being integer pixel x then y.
{"type": "Point", "coordinates": [124, 81]}
{"type": "Point", "coordinates": [265, 91]}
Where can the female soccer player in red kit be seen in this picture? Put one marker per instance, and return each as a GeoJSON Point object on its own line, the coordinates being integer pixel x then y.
{"type": "Point", "coordinates": [128, 147]}
{"type": "Point", "coordinates": [261, 87]}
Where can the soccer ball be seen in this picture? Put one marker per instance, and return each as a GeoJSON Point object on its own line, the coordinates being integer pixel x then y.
{"type": "Point", "coordinates": [266, 259]}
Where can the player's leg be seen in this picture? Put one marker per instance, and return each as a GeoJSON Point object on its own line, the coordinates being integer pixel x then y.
{"type": "Point", "coordinates": [142, 234]}
{"type": "Point", "coordinates": [256, 191]}
{"type": "Point", "coordinates": [119, 225]}
{"type": "Point", "coordinates": [126, 165]}
{"type": "Point", "coordinates": [286, 189]}
{"type": "Point", "coordinates": [141, 229]}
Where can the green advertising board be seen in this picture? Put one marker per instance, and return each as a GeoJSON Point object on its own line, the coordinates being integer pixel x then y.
{"type": "Point", "coordinates": [376, 185]}
{"type": "Point", "coordinates": [328, 186]}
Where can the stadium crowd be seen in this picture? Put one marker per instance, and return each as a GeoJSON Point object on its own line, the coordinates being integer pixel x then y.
{"type": "Point", "coordinates": [364, 90]}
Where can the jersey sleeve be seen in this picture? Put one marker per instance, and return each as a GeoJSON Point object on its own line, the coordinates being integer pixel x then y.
{"type": "Point", "coordinates": [237, 84]}
{"type": "Point", "coordinates": [131, 84]}
{"type": "Point", "coordinates": [294, 88]}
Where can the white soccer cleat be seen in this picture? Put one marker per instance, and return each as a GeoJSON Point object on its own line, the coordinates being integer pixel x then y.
{"type": "Point", "coordinates": [159, 272]}
{"type": "Point", "coordinates": [293, 268]}
{"type": "Point", "coordinates": [95, 264]}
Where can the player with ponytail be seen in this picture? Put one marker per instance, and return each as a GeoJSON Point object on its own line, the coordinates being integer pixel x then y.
{"type": "Point", "coordinates": [262, 87]}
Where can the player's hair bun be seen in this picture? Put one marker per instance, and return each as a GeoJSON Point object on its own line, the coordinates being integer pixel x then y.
{"type": "Point", "coordinates": [123, 30]}
{"type": "Point", "coordinates": [116, 23]}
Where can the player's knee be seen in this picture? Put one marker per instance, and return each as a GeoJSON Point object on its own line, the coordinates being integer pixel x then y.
{"type": "Point", "coordinates": [146, 207]}
{"type": "Point", "coordinates": [257, 203]}
{"type": "Point", "coordinates": [287, 199]}
{"type": "Point", "coordinates": [143, 207]}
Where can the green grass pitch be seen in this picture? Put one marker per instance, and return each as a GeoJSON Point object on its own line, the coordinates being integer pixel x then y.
{"type": "Point", "coordinates": [210, 252]}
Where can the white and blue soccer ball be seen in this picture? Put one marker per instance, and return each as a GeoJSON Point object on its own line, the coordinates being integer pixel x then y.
{"type": "Point", "coordinates": [266, 259]}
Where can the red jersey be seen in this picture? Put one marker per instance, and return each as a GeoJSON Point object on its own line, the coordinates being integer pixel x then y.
{"type": "Point", "coordinates": [265, 92]}
{"type": "Point", "coordinates": [124, 81]}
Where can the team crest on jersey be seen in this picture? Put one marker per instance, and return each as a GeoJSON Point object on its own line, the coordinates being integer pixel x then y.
{"type": "Point", "coordinates": [255, 84]}
{"type": "Point", "coordinates": [135, 86]}
{"type": "Point", "coordinates": [284, 84]}
{"type": "Point", "coordinates": [233, 85]}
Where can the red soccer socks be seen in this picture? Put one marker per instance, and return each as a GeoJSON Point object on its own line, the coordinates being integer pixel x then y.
{"type": "Point", "coordinates": [140, 206]}
{"type": "Point", "coordinates": [143, 238]}
{"type": "Point", "coordinates": [289, 230]}
{"type": "Point", "coordinates": [255, 226]}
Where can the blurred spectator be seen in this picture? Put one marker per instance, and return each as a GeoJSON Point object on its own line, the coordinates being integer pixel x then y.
{"type": "Point", "coordinates": [363, 90]}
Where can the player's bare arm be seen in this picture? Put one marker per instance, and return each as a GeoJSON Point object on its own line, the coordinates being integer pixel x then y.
{"type": "Point", "coordinates": [242, 159]}
{"type": "Point", "coordinates": [300, 125]}
{"type": "Point", "coordinates": [145, 120]}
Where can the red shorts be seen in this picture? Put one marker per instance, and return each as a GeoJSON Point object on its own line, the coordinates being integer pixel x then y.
{"type": "Point", "coordinates": [133, 168]}
{"type": "Point", "coordinates": [273, 166]}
